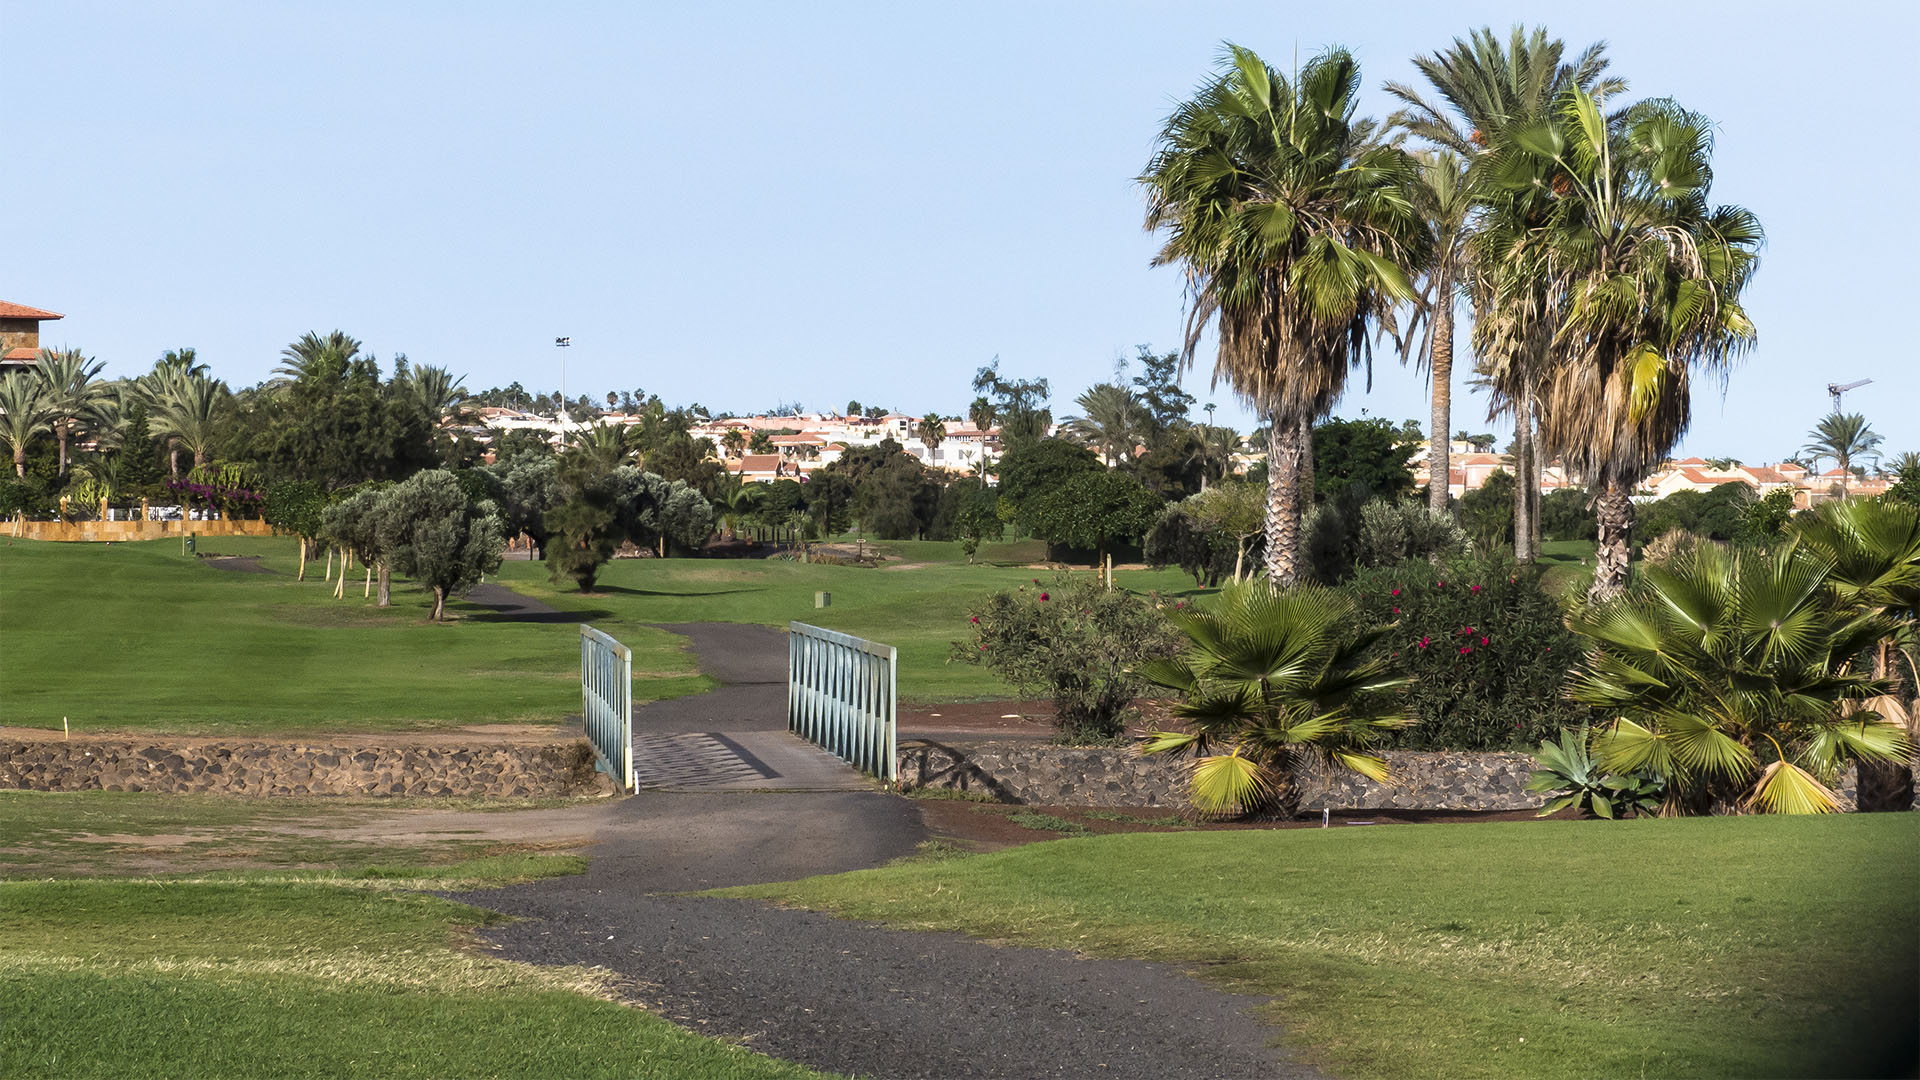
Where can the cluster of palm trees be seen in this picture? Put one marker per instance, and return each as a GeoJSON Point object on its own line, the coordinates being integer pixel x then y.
{"type": "Point", "coordinates": [1115, 422]}
{"type": "Point", "coordinates": [63, 394]}
{"type": "Point", "coordinates": [1576, 231]}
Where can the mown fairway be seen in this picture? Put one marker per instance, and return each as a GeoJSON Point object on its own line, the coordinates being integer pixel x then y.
{"type": "Point", "coordinates": [1700, 947]}
{"type": "Point", "coordinates": [918, 605]}
{"type": "Point", "coordinates": [137, 636]}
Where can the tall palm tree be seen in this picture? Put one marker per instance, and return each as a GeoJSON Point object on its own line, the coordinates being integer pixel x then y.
{"type": "Point", "coordinates": [982, 414]}
{"type": "Point", "coordinates": [1113, 420]}
{"type": "Point", "coordinates": [73, 390]}
{"type": "Point", "coordinates": [1446, 200]}
{"type": "Point", "coordinates": [24, 412]}
{"type": "Point", "coordinates": [1644, 280]}
{"type": "Point", "coordinates": [182, 360]}
{"type": "Point", "coordinates": [190, 409]}
{"type": "Point", "coordinates": [931, 431]}
{"type": "Point", "coordinates": [1212, 448]}
{"type": "Point", "coordinates": [1842, 437]}
{"type": "Point", "coordinates": [1298, 233]}
{"type": "Point", "coordinates": [1486, 89]}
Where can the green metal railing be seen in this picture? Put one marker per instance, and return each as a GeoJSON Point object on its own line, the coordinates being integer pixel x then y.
{"type": "Point", "coordinates": [606, 703]}
{"type": "Point", "coordinates": [841, 695]}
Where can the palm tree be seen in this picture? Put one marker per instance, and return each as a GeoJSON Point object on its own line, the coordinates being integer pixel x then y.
{"type": "Point", "coordinates": [1113, 421]}
{"type": "Point", "coordinates": [982, 414]}
{"type": "Point", "coordinates": [1446, 200]}
{"type": "Point", "coordinates": [1648, 276]}
{"type": "Point", "coordinates": [1874, 546]}
{"type": "Point", "coordinates": [71, 385]}
{"type": "Point", "coordinates": [1730, 673]}
{"type": "Point", "coordinates": [1212, 448]}
{"type": "Point", "coordinates": [315, 354]}
{"type": "Point", "coordinates": [1269, 678]}
{"type": "Point", "coordinates": [735, 440]}
{"type": "Point", "coordinates": [1842, 437]}
{"type": "Point", "coordinates": [189, 408]}
{"type": "Point", "coordinates": [1905, 465]}
{"type": "Point", "coordinates": [182, 360]}
{"type": "Point", "coordinates": [1298, 234]}
{"type": "Point", "coordinates": [435, 389]}
{"type": "Point", "coordinates": [24, 412]}
{"type": "Point", "coordinates": [931, 431]}
{"type": "Point", "coordinates": [1487, 90]}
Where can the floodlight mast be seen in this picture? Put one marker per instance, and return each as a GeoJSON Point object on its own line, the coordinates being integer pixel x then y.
{"type": "Point", "coordinates": [1836, 389]}
{"type": "Point", "coordinates": [560, 417]}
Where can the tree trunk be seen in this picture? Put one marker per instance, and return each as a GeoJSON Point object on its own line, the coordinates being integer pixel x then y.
{"type": "Point", "coordinates": [61, 430]}
{"type": "Point", "coordinates": [1308, 495]}
{"type": "Point", "coordinates": [1106, 558]}
{"type": "Point", "coordinates": [385, 579]}
{"type": "Point", "coordinates": [1283, 503]}
{"type": "Point", "coordinates": [20, 461]}
{"type": "Point", "coordinates": [340, 582]}
{"type": "Point", "coordinates": [1439, 448]}
{"type": "Point", "coordinates": [1239, 559]}
{"type": "Point", "coordinates": [173, 458]}
{"type": "Point", "coordinates": [439, 603]}
{"type": "Point", "coordinates": [329, 576]}
{"type": "Point", "coordinates": [1522, 469]}
{"type": "Point", "coordinates": [1882, 786]}
{"type": "Point", "coordinates": [302, 576]}
{"type": "Point", "coordinates": [366, 590]}
{"type": "Point", "coordinates": [1615, 511]}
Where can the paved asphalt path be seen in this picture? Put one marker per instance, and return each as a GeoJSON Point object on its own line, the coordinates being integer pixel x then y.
{"type": "Point", "coordinates": [838, 995]}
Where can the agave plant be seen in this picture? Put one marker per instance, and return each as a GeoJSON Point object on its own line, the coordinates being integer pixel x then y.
{"type": "Point", "coordinates": [1731, 676]}
{"type": "Point", "coordinates": [1568, 770]}
{"type": "Point", "coordinates": [1269, 678]}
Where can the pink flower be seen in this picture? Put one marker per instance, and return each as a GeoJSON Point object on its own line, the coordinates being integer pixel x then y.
{"type": "Point", "coordinates": [1473, 588]}
{"type": "Point", "coordinates": [1439, 584]}
{"type": "Point", "coordinates": [1043, 598]}
{"type": "Point", "coordinates": [1036, 581]}
{"type": "Point", "coordinates": [1396, 611]}
{"type": "Point", "coordinates": [983, 648]}
{"type": "Point", "coordinates": [1483, 641]}
{"type": "Point", "coordinates": [1423, 643]}
{"type": "Point", "coordinates": [1469, 629]}
{"type": "Point", "coordinates": [1465, 649]}
{"type": "Point", "coordinates": [976, 618]}
{"type": "Point", "coordinates": [1549, 648]}
{"type": "Point", "coordinates": [1396, 592]}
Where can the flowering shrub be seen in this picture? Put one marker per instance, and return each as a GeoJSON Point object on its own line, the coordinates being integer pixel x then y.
{"type": "Point", "coordinates": [1488, 650]}
{"type": "Point", "coordinates": [1072, 641]}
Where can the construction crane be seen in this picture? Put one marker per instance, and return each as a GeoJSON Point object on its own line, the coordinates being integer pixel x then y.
{"type": "Point", "coordinates": [1836, 389]}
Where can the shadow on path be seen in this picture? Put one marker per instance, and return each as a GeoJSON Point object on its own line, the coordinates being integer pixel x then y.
{"type": "Point", "coordinates": [838, 995]}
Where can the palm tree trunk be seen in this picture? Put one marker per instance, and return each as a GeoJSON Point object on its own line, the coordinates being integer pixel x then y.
{"type": "Point", "coordinates": [1615, 511]}
{"type": "Point", "coordinates": [1522, 470]}
{"type": "Point", "coordinates": [1883, 786]}
{"type": "Point", "coordinates": [173, 458]}
{"type": "Point", "coordinates": [1308, 495]}
{"type": "Point", "coordinates": [20, 460]}
{"type": "Point", "coordinates": [60, 429]}
{"type": "Point", "coordinates": [1284, 507]}
{"type": "Point", "coordinates": [1439, 449]}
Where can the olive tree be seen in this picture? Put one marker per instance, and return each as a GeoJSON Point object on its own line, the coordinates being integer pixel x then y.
{"type": "Point", "coordinates": [430, 531]}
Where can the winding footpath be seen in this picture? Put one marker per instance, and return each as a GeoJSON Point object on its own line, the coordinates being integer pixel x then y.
{"type": "Point", "coordinates": [838, 995]}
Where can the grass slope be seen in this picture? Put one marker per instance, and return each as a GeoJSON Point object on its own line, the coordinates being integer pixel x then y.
{"type": "Point", "coordinates": [136, 636]}
{"type": "Point", "coordinates": [1704, 947]}
{"type": "Point", "coordinates": [919, 608]}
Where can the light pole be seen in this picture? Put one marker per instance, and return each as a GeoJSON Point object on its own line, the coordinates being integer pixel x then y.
{"type": "Point", "coordinates": [563, 343]}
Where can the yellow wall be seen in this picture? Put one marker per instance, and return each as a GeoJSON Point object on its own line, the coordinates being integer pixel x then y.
{"type": "Point", "coordinates": [129, 530]}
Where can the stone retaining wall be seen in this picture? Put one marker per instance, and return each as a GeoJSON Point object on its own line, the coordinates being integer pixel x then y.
{"type": "Point", "coordinates": [1048, 775]}
{"type": "Point", "coordinates": [267, 768]}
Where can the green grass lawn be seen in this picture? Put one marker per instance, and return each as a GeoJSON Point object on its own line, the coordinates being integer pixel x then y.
{"type": "Point", "coordinates": [921, 609]}
{"type": "Point", "coordinates": [136, 636]}
{"type": "Point", "coordinates": [1703, 947]}
{"type": "Point", "coordinates": [302, 976]}
{"type": "Point", "coordinates": [1567, 566]}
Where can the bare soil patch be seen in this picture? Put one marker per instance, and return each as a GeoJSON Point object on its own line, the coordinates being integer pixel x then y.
{"type": "Point", "coordinates": [522, 734]}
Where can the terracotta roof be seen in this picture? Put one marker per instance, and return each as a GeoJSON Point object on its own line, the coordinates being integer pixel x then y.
{"type": "Point", "coordinates": [21, 353]}
{"type": "Point", "coordinates": [834, 446]}
{"type": "Point", "coordinates": [758, 463]}
{"type": "Point", "coordinates": [802, 439]}
{"type": "Point", "coordinates": [1766, 474]}
{"type": "Point", "coordinates": [1691, 461]}
{"type": "Point", "coordinates": [22, 311]}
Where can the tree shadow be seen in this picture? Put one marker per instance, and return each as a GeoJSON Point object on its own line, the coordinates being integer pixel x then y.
{"type": "Point", "coordinates": [489, 615]}
{"type": "Point", "coordinates": [624, 591]}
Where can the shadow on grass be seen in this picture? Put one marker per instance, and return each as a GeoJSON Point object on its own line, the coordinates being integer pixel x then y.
{"type": "Point", "coordinates": [623, 590]}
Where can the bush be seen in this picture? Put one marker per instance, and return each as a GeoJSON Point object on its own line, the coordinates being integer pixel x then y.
{"type": "Point", "coordinates": [1074, 641]}
{"type": "Point", "coordinates": [1390, 533]}
{"type": "Point", "coordinates": [1488, 650]}
{"type": "Point", "coordinates": [1567, 514]}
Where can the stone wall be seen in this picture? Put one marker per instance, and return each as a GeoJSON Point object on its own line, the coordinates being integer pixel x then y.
{"type": "Point", "coordinates": [1049, 775]}
{"type": "Point", "coordinates": [267, 768]}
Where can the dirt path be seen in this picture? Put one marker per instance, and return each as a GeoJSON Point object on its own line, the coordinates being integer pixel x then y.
{"type": "Point", "coordinates": [844, 996]}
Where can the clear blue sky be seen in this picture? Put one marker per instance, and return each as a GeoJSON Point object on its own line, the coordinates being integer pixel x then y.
{"type": "Point", "coordinates": [817, 202]}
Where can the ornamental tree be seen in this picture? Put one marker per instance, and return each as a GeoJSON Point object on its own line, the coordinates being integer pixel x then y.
{"type": "Point", "coordinates": [428, 530]}
{"type": "Point", "coordinates": [1094, 511]}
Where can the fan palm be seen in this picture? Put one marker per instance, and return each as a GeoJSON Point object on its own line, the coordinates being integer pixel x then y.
{"type": "Point", "coordinates": [1842, 437]}
{"type": "Point", "coordinates": [1113, 421]}
{"type": "Point", "coordinates": [1905, 465]}
{"type": "Point", "coordinates": [1485, 90]}
{"type": "Point", "coordinates": [24, 413]}
{"type": "Point", "coordinates": [1267, 679]}
{"type": "Point", "coordinates": [1730, 672]}
{"type": "Point", "coordinates": [189, 408]}
{"type": "Point", "coordinates": [1649, 275]}
{"type": "Point", "coordinates": [1875, 549]}
{"type": "Point", "coordinates": [1298, 233]}
{"type": "Point", "coordinates": [71, 385]}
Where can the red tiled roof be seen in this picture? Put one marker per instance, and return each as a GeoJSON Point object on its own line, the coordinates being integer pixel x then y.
{"type": "Point", "coordinates": [22, 311]}
{"type": "Point", "coordinates": [21, 353]}
{"type": "Point", "coordinates": [758, 463]}
{"type": "Point", "coordinates": [802, 439]}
